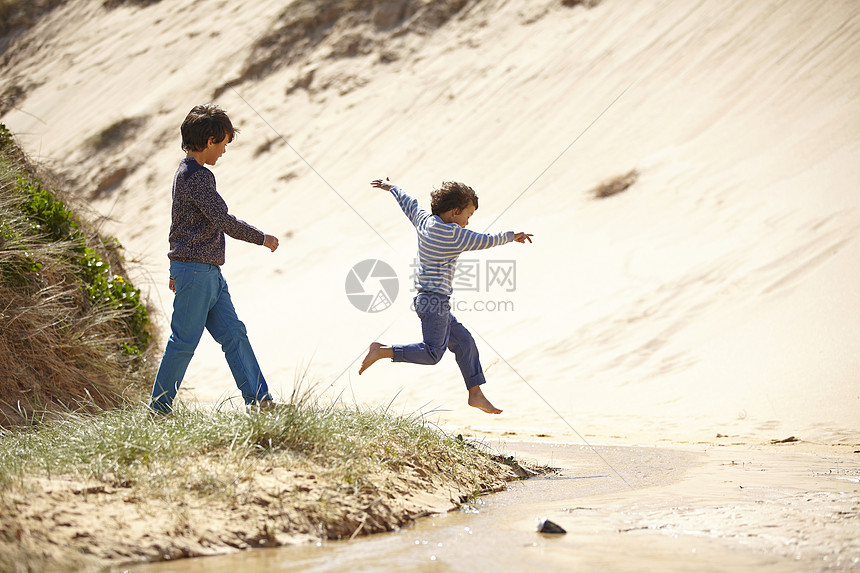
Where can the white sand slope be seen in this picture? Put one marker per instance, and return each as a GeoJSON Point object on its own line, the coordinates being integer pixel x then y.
{"type": "Point", "coordinates": [718, 294]}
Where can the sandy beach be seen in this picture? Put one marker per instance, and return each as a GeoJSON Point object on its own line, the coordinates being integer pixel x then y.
{"type": "Point", "coordinates": [708, 311]}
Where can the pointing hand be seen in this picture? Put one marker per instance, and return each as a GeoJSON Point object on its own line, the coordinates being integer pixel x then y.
{"type": "Point", "coordinates": [523, 237]}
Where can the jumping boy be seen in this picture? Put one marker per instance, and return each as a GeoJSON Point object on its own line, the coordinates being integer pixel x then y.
{"type": "Point", "coordinates": [442, 237]}
{"type": "Point", "coordinates": [199, 220]}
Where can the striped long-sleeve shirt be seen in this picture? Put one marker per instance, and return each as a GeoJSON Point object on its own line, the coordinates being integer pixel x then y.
{"type": "Point", "coordinates": [440, 244]}
{"type": "Point", "coordinates": [199, 218]}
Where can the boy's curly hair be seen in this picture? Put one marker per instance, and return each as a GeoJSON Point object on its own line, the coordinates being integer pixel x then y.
{"type": "Point", "coordinates": [205, 121]}
{"type": "Point", "coordinates": [452, 195]}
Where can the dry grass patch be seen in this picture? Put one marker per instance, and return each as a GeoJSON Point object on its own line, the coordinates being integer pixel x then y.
{"type": "Point", "coordinates": [73, 330]}
{"type": "Point", "coordinates": [615, 185]}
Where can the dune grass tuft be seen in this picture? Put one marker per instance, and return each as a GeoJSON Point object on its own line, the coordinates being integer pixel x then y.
{"type": "Point", "coordinates": [131, 447]}
{"type": "Point", "coordinates": [23, 14]}
{"type": "Point", "coordinates": [203, 480]}
{"type": "Point", "coordinates": [73, 328]}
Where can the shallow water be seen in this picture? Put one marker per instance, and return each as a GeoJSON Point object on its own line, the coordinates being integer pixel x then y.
{"type": "Point", "coordinates": [498, 532]}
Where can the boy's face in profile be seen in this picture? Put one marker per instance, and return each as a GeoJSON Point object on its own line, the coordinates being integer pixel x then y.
{"type": "Point", "coordinates": [461, 216]}
{"type": "Point", "coordinates": [214, 151]}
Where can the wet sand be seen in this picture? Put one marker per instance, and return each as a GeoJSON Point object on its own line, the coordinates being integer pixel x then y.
{"type": "Point", "coordinates": [791, 507]}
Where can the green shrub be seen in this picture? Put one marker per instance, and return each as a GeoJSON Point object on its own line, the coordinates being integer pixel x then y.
{"type": "Point", "coordinates": [51, 219]}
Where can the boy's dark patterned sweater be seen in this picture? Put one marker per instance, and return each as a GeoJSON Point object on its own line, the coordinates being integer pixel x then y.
{"type": "Point", "coordinates": [199, 218]}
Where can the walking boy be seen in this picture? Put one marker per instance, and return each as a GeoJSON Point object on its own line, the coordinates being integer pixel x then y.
{"type": "Point", "coordinates": [442, 237]}
{"type": "Point", "coordinates": [199, 221]}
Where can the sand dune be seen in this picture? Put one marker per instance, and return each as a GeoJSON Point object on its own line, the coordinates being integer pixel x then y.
{"type": "Point", "coordinates": [717, 294]}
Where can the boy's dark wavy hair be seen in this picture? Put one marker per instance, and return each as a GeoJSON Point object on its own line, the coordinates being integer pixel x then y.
{"type": "Point", "coordinates": [205, 121]}
{"type": "Point", "coordinates": [452, 195]}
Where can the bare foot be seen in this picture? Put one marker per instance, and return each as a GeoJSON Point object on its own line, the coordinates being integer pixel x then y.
{"type": "Point", "coordinates": [479, 401]}
{"type": "Point", "coordinates": [374, 353]}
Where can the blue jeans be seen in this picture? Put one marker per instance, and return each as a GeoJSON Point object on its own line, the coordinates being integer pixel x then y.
{"type": "Point", "coordinates": [203, 301]}
{"type": "Point", "coordinates": [441, 330]}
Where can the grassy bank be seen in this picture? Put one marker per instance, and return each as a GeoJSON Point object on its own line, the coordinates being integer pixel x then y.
{"type": "Point", "coordinates": [74, 331]}
{"type": "Point", "coordinates": [120, 485]}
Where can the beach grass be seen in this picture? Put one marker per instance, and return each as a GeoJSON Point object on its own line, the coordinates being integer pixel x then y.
{"type": "Point", "coordinates": [303, 470]}
{"type": "Point", "coordinates": [74, 329]}
{"type": "Point", "coordinates": [131, 447]}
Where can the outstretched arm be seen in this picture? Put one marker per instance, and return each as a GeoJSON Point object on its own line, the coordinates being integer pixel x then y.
{"type": "Point", "coordinates": [467, 240]}
{"type": "Point", "coordinates": [407, 203]}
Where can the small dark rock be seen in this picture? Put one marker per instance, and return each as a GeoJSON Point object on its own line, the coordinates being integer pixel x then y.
{"type": "Point", "coordinates": [547, 526]}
